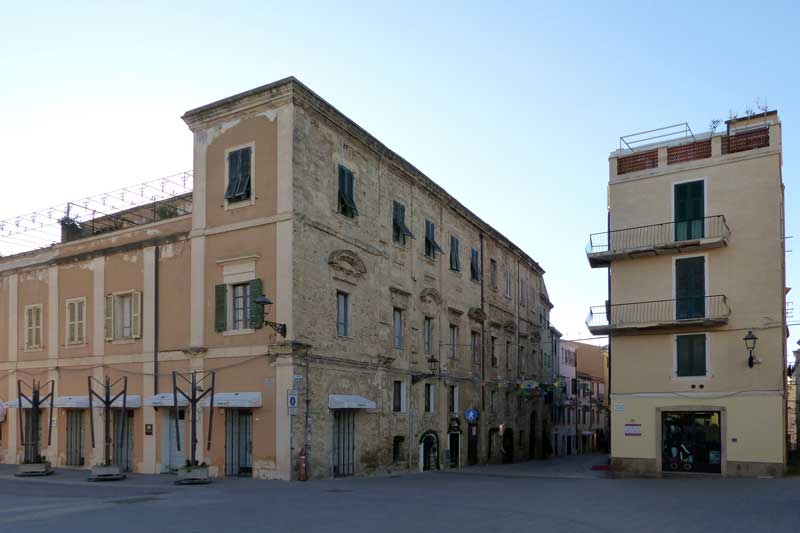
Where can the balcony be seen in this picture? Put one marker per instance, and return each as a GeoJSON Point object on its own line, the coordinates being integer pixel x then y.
{"type": "Point", "coordinates": [657, 239]}
{"type": "Point", "coordinates": [706, 311]}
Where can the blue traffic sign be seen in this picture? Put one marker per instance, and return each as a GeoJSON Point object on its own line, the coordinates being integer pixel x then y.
{"type": "Point", "coordinates": [471, 415]}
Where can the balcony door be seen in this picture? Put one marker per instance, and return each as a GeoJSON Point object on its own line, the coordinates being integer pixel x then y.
{"type": "Point", "coordinates": [689, 210]}
{"type": "Point", "coordinates": [690, 288]}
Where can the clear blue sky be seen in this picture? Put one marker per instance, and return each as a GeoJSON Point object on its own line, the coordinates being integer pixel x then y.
{"type": "Point", "coordinates": [512, 107]}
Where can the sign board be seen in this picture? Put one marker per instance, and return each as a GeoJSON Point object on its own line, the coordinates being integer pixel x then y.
{"type": "Point", "coordinates": [471, 415]}
{"type": "Point", "coordinates": [619, 407]}
{"type": "Point", "coordinates": [148, 429]}
{"type": "Point", "coordinates": [633, 430]}
{"type": "Point", "coordinates": [291, 401]}
{"type": "Point", "coordinates": [298, 378]}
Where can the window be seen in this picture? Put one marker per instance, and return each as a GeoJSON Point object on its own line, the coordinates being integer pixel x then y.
{"type": "Point", "coordinates": [508, 355]}
{"type": "Point", "coordinates": [33, 327]}
{"type": "Point", "coordinates": [476, 346]}
{"type": "Point", "coordinates": [76, 321]}
{"type": "Point", "coordinates": [397, 448]}
{"type": "Point", "coordinates": [240, 306]}
{"type": "Point", "coordinates": [508, 282]}
{"type": "Point", "coordinates": [522, 292]}
{"type": "Point", "coordinates": [521, 357]}
{"type": "Point", "coordinates": [397, 320]}
{"type": "Point", "coordinates": [429, 398]}
{"type": "Point", "coordinates": [399, 228]}
{"type": "Point", "coordinates": [494, 352]}
{"type": "Point", "coordinates": [427, 335]}
{"type": "Point", "coordinates": [689, 210]}
{"type": "Point", "coordinates": [493, 401]}
{"type": "Point", "coordinates": [239, 164]}
{"type": "Point", "coordinates": [455, 262]}
{"type": "Point", "coordinates": [691, 355]}
{"type": "Point", "coordinates": [452, 399]}
{"type": "Point", "coordinates": [507, 403]}
{"type": "Point", "coordinates": [342, 314]}
{"type": "Point", "coordinates": [347, 203]}
{"type": "Point", "coordinates": [431, 246]}
{"type": "Point", "coordinates": [493, 273]}
{"type": "Point", "coordinates": [123, 316]}
{"type": "Point", "coordinates": [399, 397]}
{"type": "Point", "coordinates": [453, 340]}
{"type": "Point", "coordinates": [690, 288]}
{"type": "Point", "coordinates": [474, 265]}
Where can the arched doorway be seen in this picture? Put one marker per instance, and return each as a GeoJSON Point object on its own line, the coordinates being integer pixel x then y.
{"type": "Point", "coordinates": [508, 445]}
{"type": "Point", "coordinates": [532, 438]}
{"type": "Point", "coordinates": [429, 451]}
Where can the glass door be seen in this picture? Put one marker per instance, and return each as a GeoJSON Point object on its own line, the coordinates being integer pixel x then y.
{"type": "Point", "coordinates": [691, 441]}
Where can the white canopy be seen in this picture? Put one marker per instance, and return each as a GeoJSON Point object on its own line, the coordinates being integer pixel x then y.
{"type": "Point", "coordinates": [133, 401]}
{"type": "Point", "coordinates": [233, 399]}
{"type": "Point", "coordinates": [3, 410]}
{"type": "Point", "coordinates": [165, 399]}
{"type": "Point", "coordinates": [14, 404]}
{"type": "Point", "coordinates": [349, 401]}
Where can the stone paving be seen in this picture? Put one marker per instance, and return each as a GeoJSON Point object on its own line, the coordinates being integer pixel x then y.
{"type": "Point", "coordinates": [558, 495]}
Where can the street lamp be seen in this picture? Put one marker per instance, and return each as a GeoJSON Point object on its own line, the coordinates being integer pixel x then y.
{"type": "Point", "coordinates": [750, 344]}
{"type": "Point", "coordinates": [262, 300]}
{"type": "Point", "coordinates": [433, 366]}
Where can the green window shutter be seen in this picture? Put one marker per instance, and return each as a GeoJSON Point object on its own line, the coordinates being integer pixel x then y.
{"type": "Point", "coordinates": [684, 356]}
{"type": "Point", "coordinates": [698, 355]}
{"type": "Point", "coordinates": [691, 355]}
{"type": "Point", "coordinates": [256, 310]}
{"type": "Point", "coordinates": [220, 307]}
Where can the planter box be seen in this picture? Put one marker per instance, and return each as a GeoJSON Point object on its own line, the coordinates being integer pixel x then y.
{"type": "Point", "coordinates": [193, 475]}
{"type": "Point", "coordinates": [106, 473]}
{"type": "Point", "coordinates": [33, 469]}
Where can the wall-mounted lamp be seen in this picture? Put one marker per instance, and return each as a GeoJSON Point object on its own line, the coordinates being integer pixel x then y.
{"type": "Point", "coordinates": [750, 344]}
{"type": "Point", "coordinates": [433, 365]}
{"type": "Point", "coordinates": [262, 300]}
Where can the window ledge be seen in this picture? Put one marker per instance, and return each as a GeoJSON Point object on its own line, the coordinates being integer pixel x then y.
{"type": "Point", "coordinates": [235, 332]}
{"type": "Point", "coordinates": [71, 345]}
{"type": "Point", "coordinates": [124, 341]}
{"type": "Point", "coordinates": [229, 206]}
{"type": "Point", "coordinates": [32, 349]}
{"type": "Point", "coordinates": [353, 220]}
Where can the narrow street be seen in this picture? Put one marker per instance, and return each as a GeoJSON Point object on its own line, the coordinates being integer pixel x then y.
{"type": "Point", "coordinates": [559, 495]}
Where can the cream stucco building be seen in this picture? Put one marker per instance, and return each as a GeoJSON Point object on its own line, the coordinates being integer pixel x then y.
{"type": "Point", "coordinates": [416, 334]}
{"type": "Point", "coordinates": [695, 252]}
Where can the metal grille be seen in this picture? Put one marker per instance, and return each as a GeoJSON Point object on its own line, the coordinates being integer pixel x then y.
{"type": "Point", "coordinates": [74, 437]}
{"type": "Point", "coordinates": [238, 442]}
{"type": "Point", "coordinates": [664, 234]}
{"type": "Point", "coordinates": [344, 422]}
{"type": "Point", "coordinates": [123, 439]}
{"type": "Point", "coordinates": [712, 308]}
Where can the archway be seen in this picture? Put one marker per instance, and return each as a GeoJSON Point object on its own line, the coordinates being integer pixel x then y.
{"type": "Point", "coordinates": [429, 451]}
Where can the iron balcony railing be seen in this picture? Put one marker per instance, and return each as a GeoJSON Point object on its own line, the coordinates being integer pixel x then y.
{"type": "Point", "coordinates": [655, 235]}
{"type": "Point", "coordinates": [658, 312]}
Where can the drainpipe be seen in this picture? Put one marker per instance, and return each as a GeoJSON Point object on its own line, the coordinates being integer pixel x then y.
{"type": "Point", "coordinates": [156, 256]}
{"type": "Point", "coordinates": [482, 419]}
{"type": "Point", "coordinates": [608, 226]}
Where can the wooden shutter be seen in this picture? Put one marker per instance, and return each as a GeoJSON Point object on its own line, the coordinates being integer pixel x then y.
{"type": "Point", "coordinates": [698, 343]}
{"type": "Point", "coordinates": [80, 328]}
{"type": "Point", "coordinates": [37, 331]}
{"type": "Point", "coordinates": [29, 327]}
{"type": "Point", "coordinates": [256, 310]}
{"type": "Point", "coordinates": [220, 307]}
{"type": "Point", "coordinates": [109, 317]}
{"type": "Point", "coordinates": [136, 315]}
{"type": "Point", "coordinates": [71, 334]}
{"type": "Point", "coordinates": [233, 174]}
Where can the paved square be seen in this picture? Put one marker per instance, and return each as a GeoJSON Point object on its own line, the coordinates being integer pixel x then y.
{"type": "Point", "coordinates": [559, 495]}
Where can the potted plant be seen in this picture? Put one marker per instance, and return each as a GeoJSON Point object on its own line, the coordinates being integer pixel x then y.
{"type": "Point", "coordinates": [39, 466]}
{"type": "Point", "coordinates": [105, 471]}
{"type": "Point", "coordinates": [193, 473]}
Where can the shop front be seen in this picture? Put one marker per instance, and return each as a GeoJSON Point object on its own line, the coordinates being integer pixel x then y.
{"type": "Point", "coordinates": [691, 441]}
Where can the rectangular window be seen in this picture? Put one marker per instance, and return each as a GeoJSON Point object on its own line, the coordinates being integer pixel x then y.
{"type": "Point", "coordinates": [493, 273]}
{"type": "Point", "coordinates": [427, 335]}
{"type": "Point", "coordinates": [455, 262]}
{"type": "Point", "coordinates": [400, 230]}
{"type": "Point", "coordinates": [691, 355]}
{"type": "Point", "coordinates": [33, 327]}
{"type": "Point", "coordinates": [397, 321]}
{"type": "Point", "coordinates": [342, 314]}
{"type": "Point", "coordinates": [239, 164]}
{"type": "Point", "coordinates": [240, 305]}
{"type": "Point", "coordinates": [429, 398]}
{"type": "Point", "coordinates": [493, 401]}
{"type": "Point", "coordinates": [397, 448]}
{"type": "Point", "coordinates": [690, 288]}
{"type": "Point", "coordinates": [76, 321]}
{"type": "Point", "coordinates": [689, 210]}
{"type": "Point", "coordinates": [452, 399]}
{"type": "Point", "coordinates": [431, 246]}
{"type": "Point", "coordinates": [398, 397]}
{"type": "Point", "coordinates": [508, 282]}
{"type": "Point", "coordinates": [522, 292]}
{"type": "Point", "coordinates": [508, 355]}
{"type": "Point", "coordinates": [476, 346]}
{"type": "Point", "coordinates": [494, 352]}
{"type": "Point", "coordinates": [507, 403]}
{"type": "Point", "coordinates": [453, 340]}
{"type": "Point", "coordinates": [474, 265]}
{"type": "Point", "coordinates": [123, 316]}
{"type": "Point", "coordinates": [347, 202]}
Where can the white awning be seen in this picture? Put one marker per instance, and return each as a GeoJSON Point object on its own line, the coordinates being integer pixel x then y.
{"type": "Point", "coordinates": [349, 401]}
{"type": "Point", "coordinates": [14, 404]}
{"type": "Point", "coordinates": [165, 399]}
{"type": "Point", "coordinates": [133, 401]}
{"type": "Point", "coordinates": [3, 411]}
{"type": "Point", "coordinates": [233, 399]}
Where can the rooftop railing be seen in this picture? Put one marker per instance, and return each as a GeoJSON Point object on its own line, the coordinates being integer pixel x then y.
{"type": "Point", "coordinates": [658, 235]}
{"type": "Point", "coordinates": [710, 309]}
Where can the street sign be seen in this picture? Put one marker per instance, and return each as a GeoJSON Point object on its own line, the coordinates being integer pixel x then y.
{"type": "Point", "coordinates": [291, 401]}
{"type": "Point", "coordinates": [471, 415]}
{"type": "Point", "coordinates": [633, 430]}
